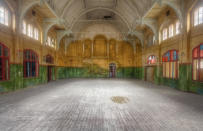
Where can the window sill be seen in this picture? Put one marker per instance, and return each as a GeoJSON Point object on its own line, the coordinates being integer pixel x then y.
{"type": "Point", "coordinates": [31, 39]}
{"type": "Point", "coordinates": [35, 77]}
{"type": "Point", "coordinates": [53, 48]}
{"type": "Point", "coordinates": [5, 29]}
{"type": "Point", "coordinates": [197, 81]}
{"type": "Point", "coordinates": [4, 80]}
{"type": "Point", "coordinates": [171, 78]}
{"type": "Point", "coordinates": [175, 37]}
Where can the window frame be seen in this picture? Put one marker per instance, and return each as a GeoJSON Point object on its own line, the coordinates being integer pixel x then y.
{"type": "Point", "coordinates": [149, 61]}
{"type": "Point", "coordinates": [36, 33]}
{"type": "Point", "coordinates": [31, 31]}
{"type": "Point", "coordinates": [170, 61]}
{"type": "Point", "coordinates": [177, 28]}
{"type": "Point", "coordinates": [51, 42]}
{"type": "Point", "coordinates": [6, 15]}
{"type": "Point", "coordinates": [165, 34]}
{"type": "Point", "coordinates": [170, 30]}
{"type": "Point", "coordinates": [197, 58]}
{"type": "Point", "coordinates": [3, 62]}
{"type": "Point", "coordinates": [29, 60]}
{"type": "Point", "coordinates": [196, 16]}
{"type": "Point", "coordinates": [24, 30]}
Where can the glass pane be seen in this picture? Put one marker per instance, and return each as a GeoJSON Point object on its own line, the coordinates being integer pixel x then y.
{"type": "Point", "coordinates": [177, 68]}
{"type": "Point", "coordinates": [6, 17]}
{"type": "Point", "coordinates": [31, 31]}
{"type": "Point", "coordinates": [27, 55]}
{"type": "Point", "coordinates": [167, 69]}
{"type": "Point", "coordinates": [1, 69]}
{"type": "Point", "coordinates": [174, 74]}
{"type": "Point", "coordinates": [172, 70]}
{"type": "Point", "coordinates": [170, 30]}
{"type": "Point", "coordinates": [196, 15]}
{"type": "Point", "coordinates": [1, 15]}
{"type": "Point", "coordinates": [1, 50]}
{"type": "Point", "coordinates": [6, 52]}
{"type": "Point", "coordinates": [195, 53]}
{"type": "Point", "coordinates": [200, 15]}
{"type": "Point", "coordinates": [24, 27]}
{"type": "Point", "coordinates": [177, 27]}
{"type": "Point", "coordinates": [33, 69]}
{"type": "Point", "coordinates": [165, 34]}
{"type": "Point", "coordinates": [195, 68]}
{"type": "Point", "coordinates": [201, 50]}
{"type": "Point", "coordinates": [168, 56]}
{"type": "Point", "coordinates": [27, 69]}
{"type": "Point", "coordinates": [6, 70]}
{"type": "Point", "coordinates": [164, 69]}
{"type": "Point", "coordinates": [201, 70]}
{"type": "Point", "coordinates": [37, 34]}
{"type": "Point", "coordinates": [33, 56]}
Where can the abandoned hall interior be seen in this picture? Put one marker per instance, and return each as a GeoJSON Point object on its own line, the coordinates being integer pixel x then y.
{"type": "Point", "coordinates": [101, 65]}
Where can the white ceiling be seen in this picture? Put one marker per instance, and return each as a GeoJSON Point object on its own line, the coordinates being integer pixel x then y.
{"type": "Point", "coordinates": [81, 13]}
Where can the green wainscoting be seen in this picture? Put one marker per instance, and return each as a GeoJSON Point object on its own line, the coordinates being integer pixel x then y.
{"type": "Point", "coordinates": [17, 81]}
{"type": "Point", "coordinates": [124, 72]}
{"type": "Point", "coordinates": [184, 83]}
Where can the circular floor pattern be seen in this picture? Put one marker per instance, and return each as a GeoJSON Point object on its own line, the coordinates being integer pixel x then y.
{"type": "Point", "coordinates": [120, 99]}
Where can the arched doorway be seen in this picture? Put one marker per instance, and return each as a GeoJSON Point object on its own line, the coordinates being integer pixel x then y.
{"type": "Point", "coordinates": [50, 73]}
{"type": "Point", "coordinates": [112, 70]}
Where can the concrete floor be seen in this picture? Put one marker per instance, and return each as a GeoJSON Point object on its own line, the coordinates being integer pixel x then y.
{"type": "Point", "coordinates": [86, 105]}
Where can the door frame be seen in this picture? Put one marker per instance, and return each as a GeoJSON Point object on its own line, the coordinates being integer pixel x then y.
{"type": "Point", "coordinates": [49, 73]}
{"type": "Point", "coordinates": [145, 70]}
{"type": "Point", "coordinates": [114, 65]}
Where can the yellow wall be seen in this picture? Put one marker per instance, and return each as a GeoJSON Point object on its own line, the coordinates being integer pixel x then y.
{"type": "Point", "coordinates": [99, 51]}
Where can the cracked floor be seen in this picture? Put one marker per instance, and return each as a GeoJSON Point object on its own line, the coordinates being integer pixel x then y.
{"type": "Point", "coordinates": [87, 105]}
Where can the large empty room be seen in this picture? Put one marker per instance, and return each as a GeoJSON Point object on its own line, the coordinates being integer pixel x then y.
{"type": "Point", "coordinates": [101, 65]}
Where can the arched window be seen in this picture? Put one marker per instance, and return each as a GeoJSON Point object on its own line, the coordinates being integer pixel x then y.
{"type": "Point", "coordinates": [151, 40]}
{"type": "Point", "coordinates": [198, 16]}
{"type": "Point", "coordinates": [170, 64]}
{"type": "Point", "coordinates": [198, 63]}
{"type": "Point", "coordinates": [31, 31]}
{"type": "Point", "coordinates": [151, 60]}
{"type": "Point", "coordinates": [170, 31]}
{"type": "Point", "coordinates": [30, 63]}
{"type": "Point", "coordinates": [4, 15]}
{"type": "Point", "coordinates": [51, 41]}
{"type": "Point", "coordinates": [49, 59]}
{"type": "Point", "coordinates": [165, 34]}
{"type": "Point", "coordinates": [4, 62]}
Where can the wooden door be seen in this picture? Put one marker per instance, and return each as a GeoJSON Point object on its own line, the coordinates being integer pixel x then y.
{"type": "Point", "coordinates": [49, 73]}
{"type": "Point", "coordinates": [150, 74]}
{"type": "Point", "coordinates": [112, 70]}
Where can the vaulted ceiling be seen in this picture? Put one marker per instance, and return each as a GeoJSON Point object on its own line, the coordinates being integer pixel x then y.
{"type": "Point", "coordinates": [120, 13]}
{"type": "Point", "coordinates": [130, 17]}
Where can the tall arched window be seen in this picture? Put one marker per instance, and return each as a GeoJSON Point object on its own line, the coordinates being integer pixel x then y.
{"type": "Point", "coordinates": [198, 63]}
{"type": "Point", "coordinates": [170, 64]}
{"type": "Point", "coordinates": [31, 31]}
{"type": "Point", "coordinates": [4, 62]}
{"type": "Point", "coordinates": [4, 15]}
{"type": "Point", "coordinates": [151, 60]}
{"type": "Point", "coordinates": [30, 63]}
{"type": "Point", "coordinates": [198, 16]}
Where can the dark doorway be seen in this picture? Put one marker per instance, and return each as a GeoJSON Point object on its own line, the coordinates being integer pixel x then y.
{"type": "Point", "coordinates": [112, 70]}
{"type": "Point", "coordinates": [49, 73]}
{"type": "Point", "coordinates": [149, 74]}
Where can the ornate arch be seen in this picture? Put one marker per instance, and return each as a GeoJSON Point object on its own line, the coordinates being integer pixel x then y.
{"type": "Point", "coordinates": [84, 11]}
